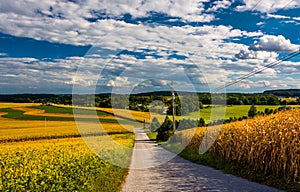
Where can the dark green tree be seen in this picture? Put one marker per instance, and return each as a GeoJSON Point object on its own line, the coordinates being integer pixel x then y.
{"type": "Point", "coordinates": [165, 131]}
{"type": "Point", "coordinates": [252, 111]}
{"type": "Point", "coordinates": [201, 122]}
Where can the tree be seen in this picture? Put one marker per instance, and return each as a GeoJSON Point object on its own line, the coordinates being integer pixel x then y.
{"type": "Point", "coordinates": [201, 122]}
{"type": "Point", "coordinates": [165, 131]}
{"type": "Point", "coordinates": [252, 111]}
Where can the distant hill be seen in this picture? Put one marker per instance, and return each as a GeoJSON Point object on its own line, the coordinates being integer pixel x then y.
{"type": "Point", "coordinates": [24, 98]}
{"type": "Point", "coordinates": [284, 92]}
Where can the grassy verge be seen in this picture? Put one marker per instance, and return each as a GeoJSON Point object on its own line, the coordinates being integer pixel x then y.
{"type": "Point", "coordinates": [151, 135]}
{"type": "Point", "coordinates": [228, 167]}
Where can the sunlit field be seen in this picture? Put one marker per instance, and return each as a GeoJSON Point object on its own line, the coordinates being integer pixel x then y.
{"type": "Point", "coordinates": [15, 130]}
{"type": "Point", "coordinates": [60, 165]}
{"type": "Point", "coordinates": [50, 154]}
{"type": "Point", "coordinates": [266, 144]}
{"type": "Point", "coordinates": [12, 105]}
{"type": "Point", "coordinates": [230, 111]}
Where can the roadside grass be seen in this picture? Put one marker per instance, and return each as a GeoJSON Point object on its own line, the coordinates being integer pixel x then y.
{"type": "Point", "coordinates": [151, 135]}
{"type": "Point", "coordinates": [62, 165]}
{"type": "Point", "coordinates": [243, 171]}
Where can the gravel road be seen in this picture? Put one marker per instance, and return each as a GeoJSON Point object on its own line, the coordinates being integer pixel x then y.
{"type": "Point", "coordinates": [155, 169]}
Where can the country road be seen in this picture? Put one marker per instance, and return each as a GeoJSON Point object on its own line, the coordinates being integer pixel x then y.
{"type": "Point", "coordinates": [154, 169]}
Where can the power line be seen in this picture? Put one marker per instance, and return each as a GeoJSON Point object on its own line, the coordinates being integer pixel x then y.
{"type": "Point", "coordinates": [285, 58]}
{"type": "Point", "coordinates": [252, 73]}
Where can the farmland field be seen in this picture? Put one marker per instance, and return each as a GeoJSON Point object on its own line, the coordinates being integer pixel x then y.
{"type": "Point", "coordinates": [59, 165]}
{"type": "Point", "coordinates": [231, 111]}
{"type": "Point", "coordinates": [266, 145]}
{"type": "Point", "coordinates": [41, 149]}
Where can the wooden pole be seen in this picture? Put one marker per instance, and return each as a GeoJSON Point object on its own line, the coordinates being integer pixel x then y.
{"type": "Point", "coordinates": [173, 106]}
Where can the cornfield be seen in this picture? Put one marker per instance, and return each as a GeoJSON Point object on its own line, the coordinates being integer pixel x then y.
{"type": "Point", "coordinates": [266, 143]}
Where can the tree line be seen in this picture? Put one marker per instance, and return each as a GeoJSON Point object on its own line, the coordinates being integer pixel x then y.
{"type": "Point", "coordinates": [184, 103]}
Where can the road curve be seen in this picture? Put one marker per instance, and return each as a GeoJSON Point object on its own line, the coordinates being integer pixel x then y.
{"type": "Point", "coordinates": [149, 172]}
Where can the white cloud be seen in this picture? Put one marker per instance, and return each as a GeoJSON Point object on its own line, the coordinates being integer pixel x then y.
{"type": "Point", "coordinates": [111, 83]}
{"type": "Point", "coordinates": [278, 16]}
{"type": "Point", "coordinates": [3, 54]}
{"type": "Point", "coordinates": [72, 28]}
{"type": "Point", "coordinates": [244, 86]}
{"type": "Point", "coordinates": [267, 83]}
{"type": "Point", "coordinates": [260, 23]}
{"type": "Point", "coordinates": [221, 4]}
{"type": "Point", "coordinates": [273, 43]}
{"type": "Point", "coordinates": [190, 10]}
{"type": "Point", "coordinates": [268, 6]}
{"type": "Point", "coordinates": [262, 55]}
{"type": "Point", "coordinates": [246, 54]}
{"type": "Point", "coordinates": [204, 46]}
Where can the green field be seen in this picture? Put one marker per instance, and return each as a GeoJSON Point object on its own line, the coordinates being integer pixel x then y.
{"type": "Point", "coordinates": [54, 109]}
{"type": "Point", "coordinates": [18, 114]}
{"type": "Point", "coordinates": [230, 111]}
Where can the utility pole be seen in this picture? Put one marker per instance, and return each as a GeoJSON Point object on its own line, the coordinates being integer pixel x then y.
{"type": "Point", "coordinates": [173, 106]}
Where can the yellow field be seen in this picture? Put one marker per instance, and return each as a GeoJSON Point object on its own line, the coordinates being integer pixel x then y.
{"type": "Point", "coordinates": [288, 99]}
{"type": "Point", "coordinates": [32, 158]}
{"type": "Point", "coordinates": [24, 129]}
{"type": "Point", "coordinates": [13, 105]}
{"type": "Point", "coordinates": [12, 129]}
{"type": "Point", "coordinates": [61, 165]}
{"type": "Point", "coordinates": [137, 115]}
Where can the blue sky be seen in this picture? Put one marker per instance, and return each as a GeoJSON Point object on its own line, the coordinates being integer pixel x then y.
{"type": "Point", "coordinates": [142, 45]}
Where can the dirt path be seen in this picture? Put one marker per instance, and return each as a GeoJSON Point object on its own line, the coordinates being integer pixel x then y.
{"type": "Point", "coordinates": [148, 172]}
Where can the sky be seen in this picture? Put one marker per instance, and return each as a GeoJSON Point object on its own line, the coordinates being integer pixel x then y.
{"type": "Point", "coordinates": [126, 46]}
